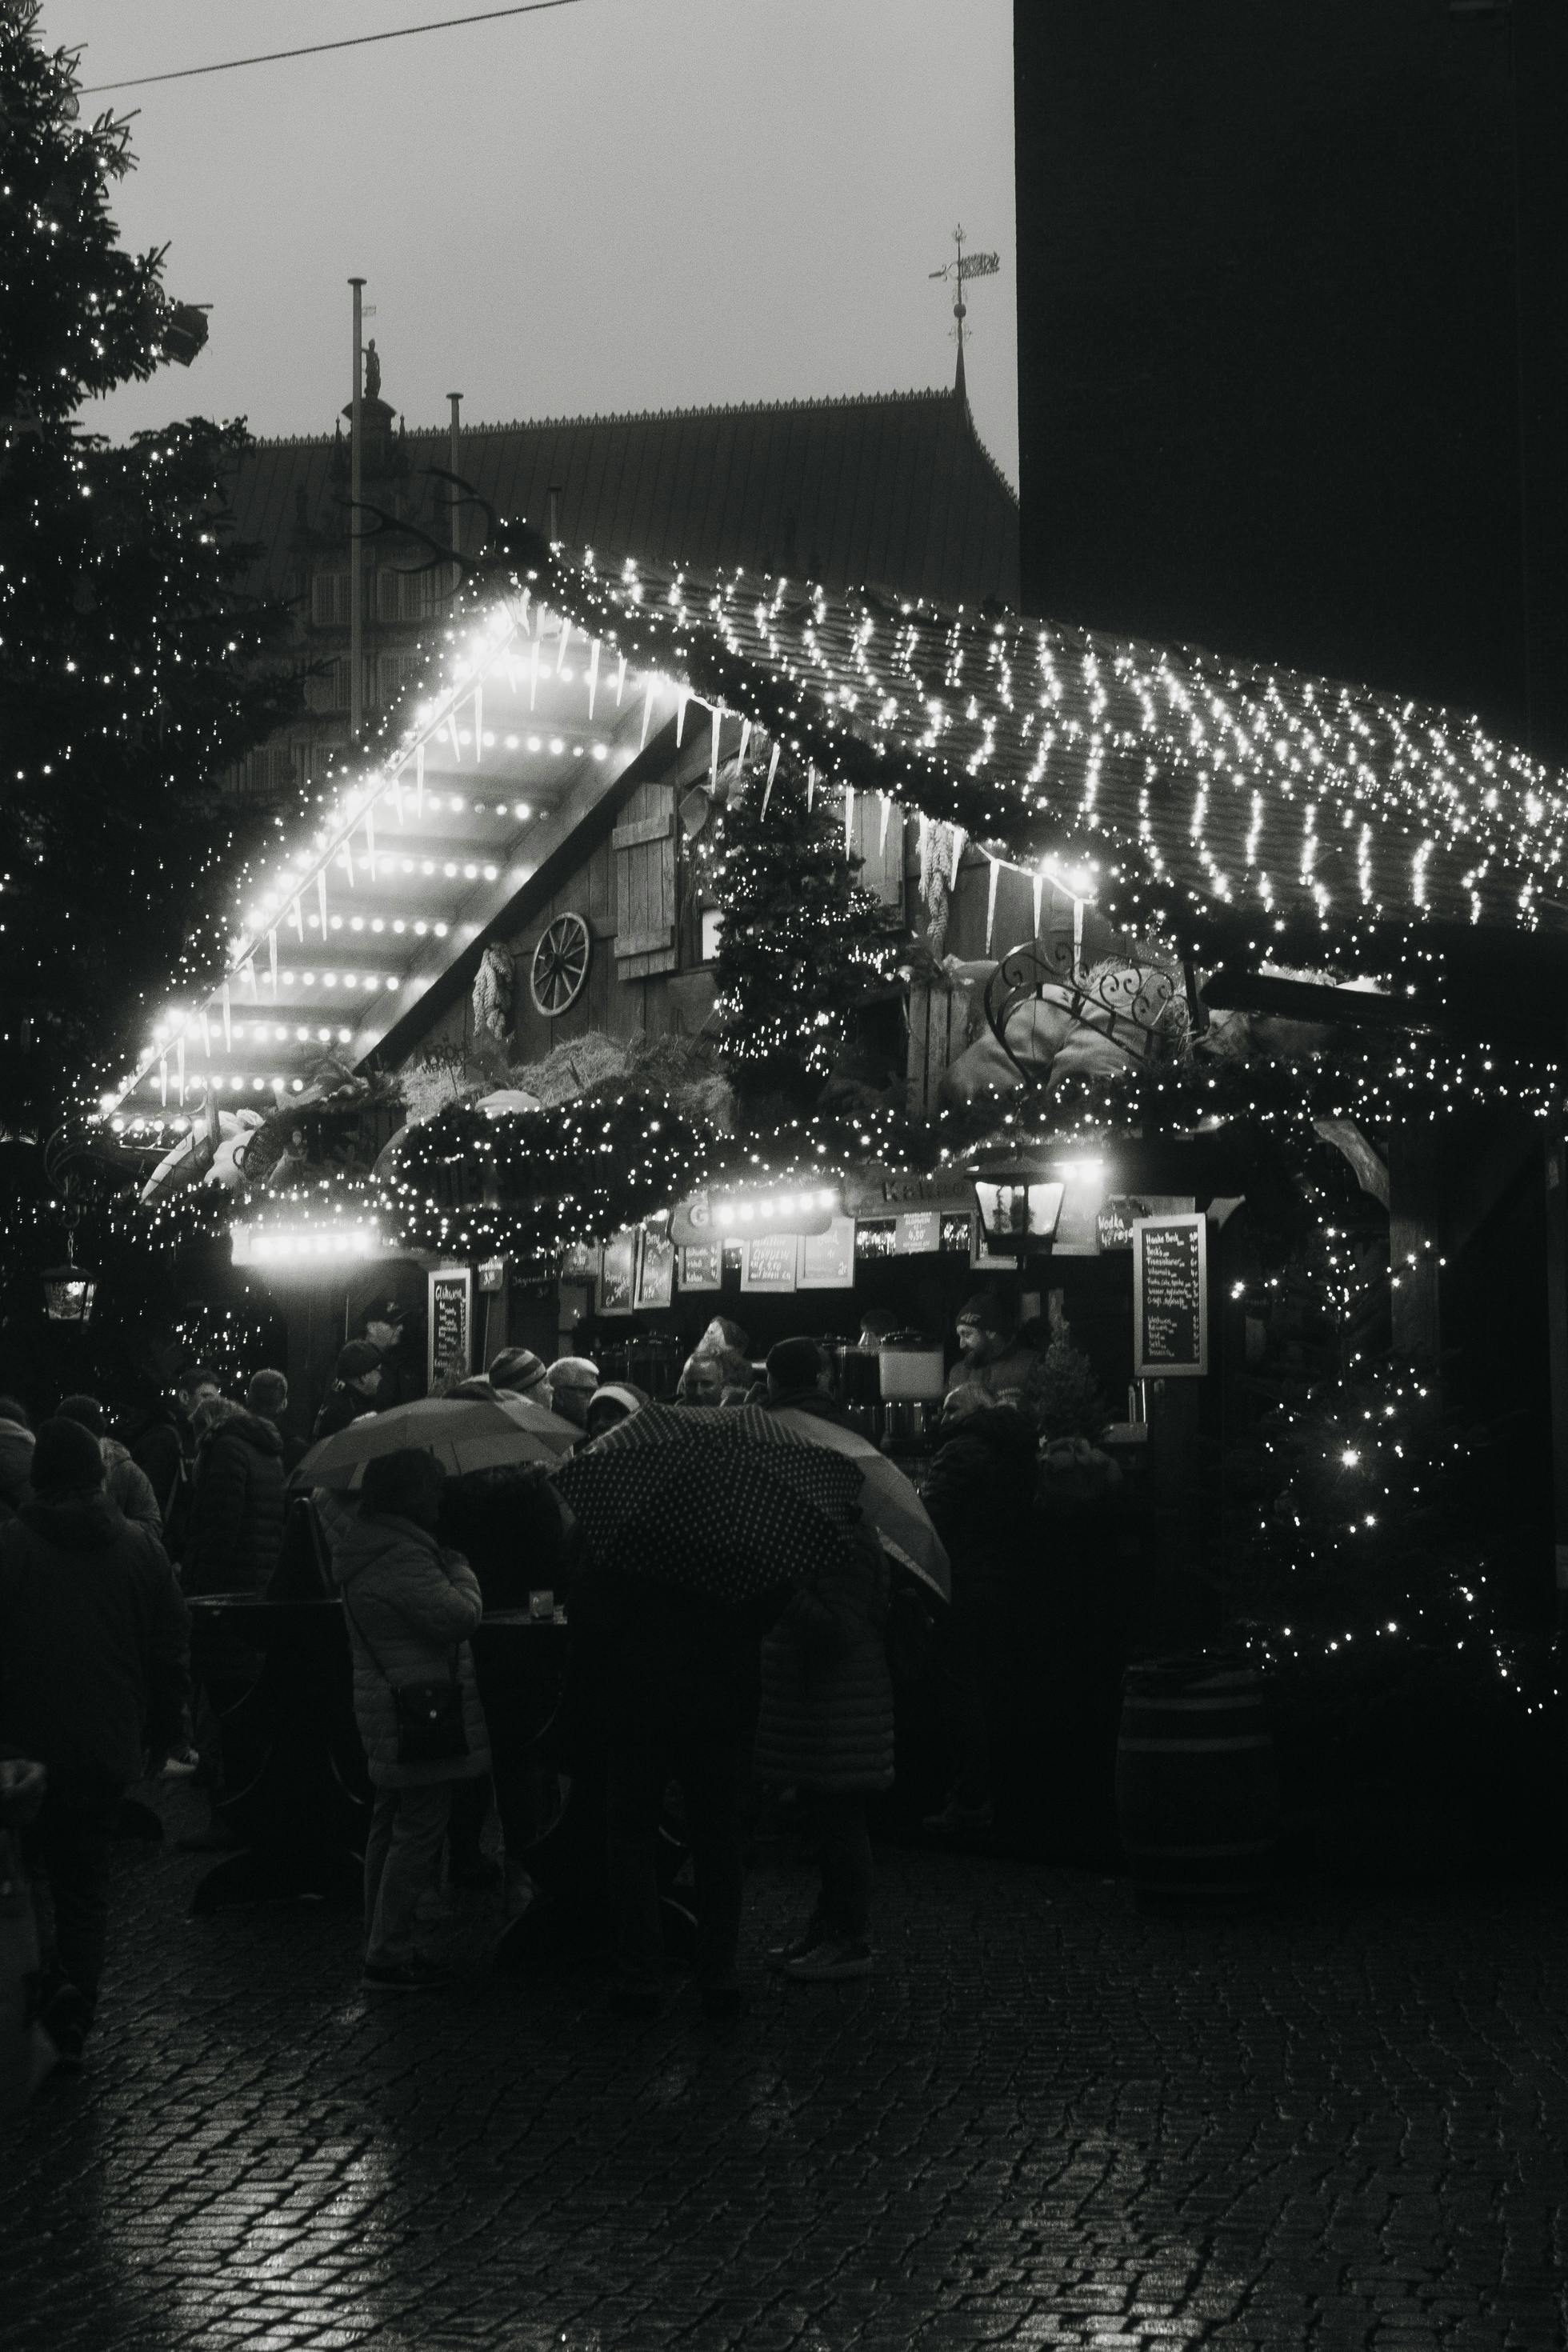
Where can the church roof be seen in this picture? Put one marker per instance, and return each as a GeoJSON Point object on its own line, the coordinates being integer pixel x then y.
{"type": "Point", "coordinates": [895, 489]}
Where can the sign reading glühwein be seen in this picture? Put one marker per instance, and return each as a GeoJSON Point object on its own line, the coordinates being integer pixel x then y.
{"type": "Point", "coordinates": [1170, 1298]}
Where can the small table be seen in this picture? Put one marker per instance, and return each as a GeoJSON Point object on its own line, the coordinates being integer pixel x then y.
{"type": "Point", "coordinates": [299, 1800]}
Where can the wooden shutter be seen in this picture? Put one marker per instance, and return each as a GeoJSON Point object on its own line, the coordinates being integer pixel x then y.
{"type": "Point", "coordinates": [644, 844]}
{"type": "Point", "coordinates": [938, 1032]}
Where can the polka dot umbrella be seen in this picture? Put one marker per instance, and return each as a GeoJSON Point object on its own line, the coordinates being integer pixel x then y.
{"type": "Point", "coordinates": [725, 1503]}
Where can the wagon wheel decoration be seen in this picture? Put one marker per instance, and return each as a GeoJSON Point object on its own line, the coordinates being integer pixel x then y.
{"type": "Point", "coordinates": [559, 965]}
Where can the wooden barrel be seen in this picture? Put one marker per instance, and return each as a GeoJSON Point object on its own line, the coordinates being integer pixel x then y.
{"type": "Point", "coordinates": [1197, 1791]}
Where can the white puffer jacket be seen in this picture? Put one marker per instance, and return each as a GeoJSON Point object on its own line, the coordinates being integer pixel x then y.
{"type": "Point", "coordinates": [416, 1603]}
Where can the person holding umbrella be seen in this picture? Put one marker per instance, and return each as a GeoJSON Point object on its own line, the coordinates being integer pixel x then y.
{"type": "Point", "coordinates": [699, 1524]}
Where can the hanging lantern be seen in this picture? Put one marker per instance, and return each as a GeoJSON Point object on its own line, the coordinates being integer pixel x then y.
{"type": "Point", "coordinates": [1018, 1206]}
{"type": "Point", "coordinates": [69, 1289]}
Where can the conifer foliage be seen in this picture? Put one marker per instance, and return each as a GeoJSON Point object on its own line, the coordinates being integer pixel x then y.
{"type": "Point", "coordinates": [132, 671]}
{"type": "Point", "coordinates": [800, 945]}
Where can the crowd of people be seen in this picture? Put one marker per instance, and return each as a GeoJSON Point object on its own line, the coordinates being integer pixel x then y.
{"type": "Point", "coordinates": [109, 1525]}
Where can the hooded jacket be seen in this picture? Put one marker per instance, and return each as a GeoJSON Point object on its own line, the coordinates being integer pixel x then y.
{"type": "Point", "coordinates": [129, 1489]}
{"type": "Point", "coordinates": [16, 1444]}
{"type": "Point", "coordinates": [238, 1508]}
{"type": "Point", "coordinates": [409, 1606]}
{"type": "Point", "coordinates": [93, 1641]}
{"type": "Point", "coordinates": [980, 1493]}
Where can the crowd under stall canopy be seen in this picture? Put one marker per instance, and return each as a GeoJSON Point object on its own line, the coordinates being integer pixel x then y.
{"type": "Point", "coordinates": [1211, 897]}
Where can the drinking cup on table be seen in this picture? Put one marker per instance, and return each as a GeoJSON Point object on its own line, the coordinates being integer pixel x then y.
{"type": "Point", "coordinates": [541, 1604]}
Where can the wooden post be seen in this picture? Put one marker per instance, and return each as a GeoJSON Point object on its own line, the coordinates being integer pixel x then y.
{"type": "Point", "coordinates": [1415, 1221]}
{"type": "Point", "coordinates": [1557, 1352]}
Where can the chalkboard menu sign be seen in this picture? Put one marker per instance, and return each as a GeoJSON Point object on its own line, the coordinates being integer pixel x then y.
{"type": "Point", "coordinates": [769, 1263]}
{"type": "Point", "coordinates": [826, 1261]}
{"type": "Point", "coordinates": [655, 1271]}
{"type": "Point", "coordinates": [1170, 1298]}
{"type": "Point", "coordinates": [451, 1320]}
{"type": "Point", "coordinates": [701, 1266]}
{"type": "Point", "coordinates": [618, 1272]}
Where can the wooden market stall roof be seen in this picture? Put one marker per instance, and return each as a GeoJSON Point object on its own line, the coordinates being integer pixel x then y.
{"type": "Point", "coordinates": [1176, 790]}
{"type": "Point", "coordinates": [1191, 790]}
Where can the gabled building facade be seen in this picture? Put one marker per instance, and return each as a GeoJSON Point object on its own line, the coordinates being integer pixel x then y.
{"type": "Point", "coordinates": [892, 490]}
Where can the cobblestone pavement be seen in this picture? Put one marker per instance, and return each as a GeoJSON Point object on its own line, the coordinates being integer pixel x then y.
{"type": "Point", "coordinates": [1049, 2120]}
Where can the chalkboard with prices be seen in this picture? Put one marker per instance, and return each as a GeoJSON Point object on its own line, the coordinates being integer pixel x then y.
{"type": "Point", "coordinates": [1170, 1298]}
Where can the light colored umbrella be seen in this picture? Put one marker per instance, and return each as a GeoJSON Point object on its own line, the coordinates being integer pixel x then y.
{"type": "Point", "coordinates": [462, 1433]}
{"type": "Point", "coordinates": [890, 1500]}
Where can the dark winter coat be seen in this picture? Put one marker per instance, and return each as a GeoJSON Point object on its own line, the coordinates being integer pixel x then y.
{"type": "Point", "coordinates": [1016, 1369]}
{"type": "Point", "coordinates": [514, 1529]}
{"type": "Point", "coordinates": [827, 1718]}
{"type": "Point", "coordinates": [647, 1658]}
{"type": "Point", "coordinates": [814, 1402]}
{"type": "Point", "coordinates": [15, 1465]}
{"type": "Point", "coordinates": [237, 1512]}
{"type": "Point", "coordinates": [410, 1606]}
{"type": "Point", "coordinates": [158, 1450]}
{"type": "Point", "coordinates": [980, 1493]}
{"type": "Point", "coordinates": [341, 1406]}
{"type": "Point", "coordinates": [93, 1641]}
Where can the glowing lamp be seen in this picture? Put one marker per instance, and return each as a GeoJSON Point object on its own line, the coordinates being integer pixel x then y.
{"type": "Point", "coordinates": [1018, 1206]}
{"type": "Point", "coordinates": [68, 1293]}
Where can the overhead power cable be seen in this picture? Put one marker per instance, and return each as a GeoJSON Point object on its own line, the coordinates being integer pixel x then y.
{"type": "Point", "coordinates": [316, 48]}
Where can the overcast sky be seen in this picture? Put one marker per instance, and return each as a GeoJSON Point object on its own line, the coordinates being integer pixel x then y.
{"type": "Point", "coordinates": [620, 205]}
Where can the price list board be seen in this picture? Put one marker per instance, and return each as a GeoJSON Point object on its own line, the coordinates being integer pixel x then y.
{"type": "Point", "coordinates": [1170, 1298]}
{"type": "Point", "coordinates": [450, 1321]}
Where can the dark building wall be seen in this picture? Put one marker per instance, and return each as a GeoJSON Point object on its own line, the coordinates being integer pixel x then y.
{"type": "Point", "coordinates": [1270, 397]}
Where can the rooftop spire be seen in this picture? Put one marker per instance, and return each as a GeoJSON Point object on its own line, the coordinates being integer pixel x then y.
{"type": "Point", "coordinates": [970, 265]}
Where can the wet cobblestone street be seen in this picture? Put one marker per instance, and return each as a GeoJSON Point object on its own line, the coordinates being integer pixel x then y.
{"type": "Point", "coordinates": [1048, 2120]}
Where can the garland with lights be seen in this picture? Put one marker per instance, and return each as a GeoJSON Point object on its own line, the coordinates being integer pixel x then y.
{"type": "Point", "coordinates": [1223, 805]}
{"type": "Point", "coordinates": [1373, 1542]}
{"type": "Point", "coordinates": [133, 672]}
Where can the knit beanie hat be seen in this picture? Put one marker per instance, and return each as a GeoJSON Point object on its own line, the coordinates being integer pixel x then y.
{"type": "Point", "coordinates": [357, 1359]}
{"type": "Point", "coordinates": [574, 1372]}
{"type": "Point", "coordinates": [989, 1311]}
{"type": "Point", "coordinates": [66, 1457]}
{"type": "Point", "coordinates": [518, 1368]}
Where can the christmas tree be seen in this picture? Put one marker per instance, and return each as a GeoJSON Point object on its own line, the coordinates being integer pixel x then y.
{"type": "Point", "coordinates": [800, 946]}
{"type": "Point", "coordinates": [132, 671]}
{"type": "Point", "coordinates": [1374, 1543]}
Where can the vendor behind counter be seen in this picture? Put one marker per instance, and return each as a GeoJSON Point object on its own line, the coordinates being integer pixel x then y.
{"type": "Point", "coordinates": [991, 1355]}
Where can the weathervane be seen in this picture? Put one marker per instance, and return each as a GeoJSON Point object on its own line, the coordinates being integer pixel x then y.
{"type": "Point", "coordinates": [967, 264]}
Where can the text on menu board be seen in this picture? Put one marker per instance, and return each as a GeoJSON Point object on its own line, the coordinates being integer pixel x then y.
{"type": "Point", "coordinates": [769, 1263]}
{"type": "Point", "coordinates": [450, 1293]}
{"type": "Point", "coordinates": [1170, 1298]}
